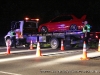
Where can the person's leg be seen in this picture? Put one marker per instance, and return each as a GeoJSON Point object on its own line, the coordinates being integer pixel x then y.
{"type": "Point", "coordinates": [88, 36]}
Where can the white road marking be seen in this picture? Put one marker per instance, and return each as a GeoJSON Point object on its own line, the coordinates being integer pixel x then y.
{"type": "Point", "coordinates": [67, 59]}
{"type": "Point", "coordinates": [26, 57]}
{"type": "Point", "coordinates": [3, 72]}
{"type": "Point", "coordinates": [19, 51]}
{"type": "Point", "coordinates": [16, 51]}
{"type": "Point", "coordinates": [92, 54]}
{"type": "Point", "coordinates": [17, 58]}
{"type": "Point", "coordinates": [3, 47]}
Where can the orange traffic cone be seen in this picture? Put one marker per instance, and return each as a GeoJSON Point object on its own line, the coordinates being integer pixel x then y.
{"type": "Point", "coordinates": [84, 52]}
{"type": "Point", "coordinates": [8, 50]}
{"type": "Point", "coordinates": [99, 46]}
{"type": "Point", "coordinates": [8, 43]}
{"type": "Point", "coordinates": [38, 51]}
{"type": "Point", "coordinates": [31, 45]}
{"type": "Point", "coordinates": [62, 46]}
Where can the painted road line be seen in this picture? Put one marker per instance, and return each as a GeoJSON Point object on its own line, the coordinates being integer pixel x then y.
{"type": "Point", "coordinates": [3, 47]}
{"type": "Point", "coordinates": [17, 58]}
{"type": "Point", "coordinates": [50, 53]}
{"type": "Point", "coordinates": [19, 51]}
{"type": "Point", "coordinates": [71, 58]}
{"type": "Point", "coordinates": [9, 73]}
{"type": "Point", "coordinates": [66, 59]}
{"type": "Point", "coordinates": [25, 57]}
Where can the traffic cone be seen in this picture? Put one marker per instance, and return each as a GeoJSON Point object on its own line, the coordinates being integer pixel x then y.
{"type": "Point", "coordinates": [62, 46]}
{"type": "Point", "coordinates": [38, 51]}
{"type": "Point", "coordinates": [99, 46]}
{"type": "Point", "coordinates": [8, 46]}
{"type": "Point", "coordinates": [8, 49]}
{"type": "Point", "coordinates": [31, 45]}
{"type": "Point", "coordinates": [84, 52]}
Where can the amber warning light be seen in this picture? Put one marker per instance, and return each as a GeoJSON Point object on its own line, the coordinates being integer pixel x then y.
{"type": "Point", "coordinates": [96, 36]}
{"type": "Point", "coordinates": [31, 19]}
{"type": "Point", "coordinates": [26, 18]}
{"type": "Point", "coordinates": [35, 19]}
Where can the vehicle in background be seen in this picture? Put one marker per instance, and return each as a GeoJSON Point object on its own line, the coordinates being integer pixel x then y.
{"type": "Point", "coordinates": [62, 23]}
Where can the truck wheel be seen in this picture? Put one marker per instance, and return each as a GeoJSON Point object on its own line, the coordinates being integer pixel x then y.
{"type": "Point", "coordinates": [73, 27]}
{"type": "Point", "coordinates": [44, 29]}
{"type": "Point", "coordinates": [54, 43]}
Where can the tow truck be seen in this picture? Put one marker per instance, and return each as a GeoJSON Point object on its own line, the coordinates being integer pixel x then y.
{"type": "Point", "coordinates": [28, 30]}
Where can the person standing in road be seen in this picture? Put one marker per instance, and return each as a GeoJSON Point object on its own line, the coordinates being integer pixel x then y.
{"type": "Point", "coordinates": [86, 31]}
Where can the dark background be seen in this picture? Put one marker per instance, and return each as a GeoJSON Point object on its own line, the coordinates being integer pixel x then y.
{"type": "Point", "coordinates": [45, 10]}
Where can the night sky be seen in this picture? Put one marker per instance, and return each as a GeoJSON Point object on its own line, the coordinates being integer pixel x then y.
{"type": "Point", "coordinates": [45, 10]}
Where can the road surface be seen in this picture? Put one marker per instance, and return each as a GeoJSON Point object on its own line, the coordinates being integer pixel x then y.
{"type": "Point", "coordinates": [23, 61]}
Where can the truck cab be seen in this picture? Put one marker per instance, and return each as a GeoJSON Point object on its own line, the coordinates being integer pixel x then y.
{"type": "Point", "coordinates": [23, 29]}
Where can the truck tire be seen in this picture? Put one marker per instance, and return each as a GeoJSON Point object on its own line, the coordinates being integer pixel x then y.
{"type": "Point", "coordinates": [54, 43]}
{"type": "Point", "coordinates": [44, 29]}
{"type": "Point", "coordinates": [73, 27]}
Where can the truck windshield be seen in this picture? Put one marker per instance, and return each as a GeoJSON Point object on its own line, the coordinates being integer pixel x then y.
{"type": "Point", "coordinates": [30, 27]}
{"type": "Point", "coordinates": [15, 25]}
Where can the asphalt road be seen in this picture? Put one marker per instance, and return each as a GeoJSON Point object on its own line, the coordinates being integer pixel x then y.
{"type": "Point", "coordinates": [23, 61]}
